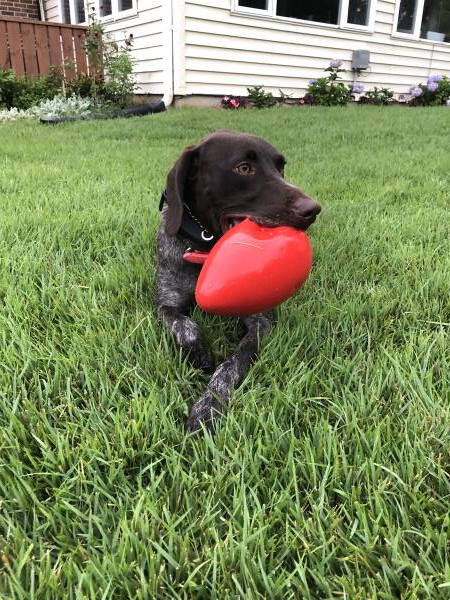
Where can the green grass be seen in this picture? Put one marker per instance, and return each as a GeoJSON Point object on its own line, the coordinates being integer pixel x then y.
{"type": "Point", "coordinates": [330, 476]}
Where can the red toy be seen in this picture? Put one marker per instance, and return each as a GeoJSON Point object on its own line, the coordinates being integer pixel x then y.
{"type": "Point", "coordinates": [252, 269]}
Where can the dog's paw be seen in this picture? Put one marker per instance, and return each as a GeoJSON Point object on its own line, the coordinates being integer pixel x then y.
{"type": "Point", "coordinates": [207, 412]}
{"type": "Point", "coordinates": [201, 358]}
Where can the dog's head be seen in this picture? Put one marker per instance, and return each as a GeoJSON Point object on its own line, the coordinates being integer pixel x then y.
{"type": "Point", "coordinates": [229, 176]}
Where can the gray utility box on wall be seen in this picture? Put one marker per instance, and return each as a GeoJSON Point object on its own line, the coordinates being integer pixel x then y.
{"type": "Point", "coordinates": [360, 60]}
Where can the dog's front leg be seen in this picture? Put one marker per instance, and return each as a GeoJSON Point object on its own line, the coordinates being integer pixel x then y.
{"type": "Point", "coordinates": [175, 294]}
{"type": "Point", "coordinates": [188, 336]}
{"type": "Point", "coordinates": [229, 374]}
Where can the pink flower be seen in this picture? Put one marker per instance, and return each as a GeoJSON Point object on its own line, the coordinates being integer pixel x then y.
{"type": "Point", "coordinates": [235, 103]}
{"type": "Point", "coordinates": [301, 101]}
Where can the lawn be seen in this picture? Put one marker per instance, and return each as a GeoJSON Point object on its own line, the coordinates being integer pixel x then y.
{"type": "Point", "coordinates": [330, 477]}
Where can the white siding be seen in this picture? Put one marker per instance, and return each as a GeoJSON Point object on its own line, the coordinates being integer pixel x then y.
{"type": "Point", "coordinates": [226, 53]}
{"type": "Point", "coordinates": [52, 10]}
{"type": "Point", "coordinates": [217, 51]}
{"type": "Point", "coordinates": [147, 29]}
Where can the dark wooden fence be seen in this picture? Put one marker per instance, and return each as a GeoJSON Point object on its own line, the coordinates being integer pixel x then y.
{"type": "Point", "coordinates": [31, 47]}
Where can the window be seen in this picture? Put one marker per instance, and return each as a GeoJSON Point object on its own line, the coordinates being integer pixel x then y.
{"type": "Point", "coordinates": [125, 5]}
{"type": "Point", "coordinates": [74, 11]}
{"type": "Point", "coordinates": [105, 8]}
{"type": "Point", "coordinates": [345, 13]}
{"type": "Point", "coordinates": [358, 12]}
{"type": "Point", "coordinates": [325, 11]}
{"type": "Point", "coordinates": [426, 19]}
{"type": "Point", "coordinates": [115, 8]}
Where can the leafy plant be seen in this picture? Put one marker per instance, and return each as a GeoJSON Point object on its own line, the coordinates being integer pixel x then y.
{"type": "Point", "coordinates": [259, 98]}
{"type": "Point", "coordinates": [118, 63]}
{"type": "Point", "coordinates": [435, 92]}
{"type": "Point", "coordinates": [378, 96]}
{"type": "Point", "coordinates": [111, 78]}
{"type": "Point", "coordinates": [22, 92]}
{"type": "Point", "coordinates": [59, 105]}
{"type": "Point", "coordinates": [328, 91]}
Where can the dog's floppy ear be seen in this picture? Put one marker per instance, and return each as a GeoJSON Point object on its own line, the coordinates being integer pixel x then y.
{"type": "Point", "coordinates": [183, 169]}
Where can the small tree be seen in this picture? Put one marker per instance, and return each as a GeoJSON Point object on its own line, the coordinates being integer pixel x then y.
{"type": "Point", "coordinates": [111, 77]}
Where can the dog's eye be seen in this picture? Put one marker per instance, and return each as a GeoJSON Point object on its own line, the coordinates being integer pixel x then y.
{"type": "Point", "coordinates": [243, 169]}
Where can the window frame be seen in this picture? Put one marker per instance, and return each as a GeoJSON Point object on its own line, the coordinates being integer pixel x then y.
{"type": "Point", "coordinates": [417, 21]}
{"type": "Point", "coordinates": [270, 13]}
{"type": "Point", "coordinates": [115, 15]}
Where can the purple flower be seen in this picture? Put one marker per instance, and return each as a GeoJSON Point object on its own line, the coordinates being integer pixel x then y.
{"type": "Point", "coordinates": [434, 78]}
{"type": "Point", "coordinates": [312, 81]}
{"type": "Point", "coordinates": [402, 98]}
{"type": "Point", "coordinates": [335, 63]}
{"type": "Point", "coordinates": [358, 88]}
{"type": "Point", "coordinates": [416, 91]}
{"type": "Point", "coordinates": [432, 86]}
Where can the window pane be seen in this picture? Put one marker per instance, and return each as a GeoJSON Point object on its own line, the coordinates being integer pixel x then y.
{"type": "Point", "coordinates": [326, 11]}
{"type": "Point", "coordinates": [105, 8]}
{"type": "Point", "coordinates": [125, 5]}
{"type": "Point", "coordinates": [406, 14]}
{"type": "Point", "coordinates": [358, 12]}
{"type": "Point", "coordinates": [436, 20]}
{"type": "Point", "coordinates": [81, 17]}
{"type": "Point", "coordinates": [260, 4]}
{"type": "Point", "coordinates": [65, 17]}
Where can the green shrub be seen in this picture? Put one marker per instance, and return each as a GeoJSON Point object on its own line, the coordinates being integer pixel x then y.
{"type": "Point", "coordinates": [378, 96]}
{"type": "Point", "coordinates": [81, 85]}
{"type": "Point", "coordinates": [327, 91]}
{"type": "Point", "coordinates": [259, 98]}
{"type": "Point", "coordinates": [435, 92]}
{"type": "Point", "coordinates": [112, 80]}
{"type": "Point", "coordinates": [23, 91]}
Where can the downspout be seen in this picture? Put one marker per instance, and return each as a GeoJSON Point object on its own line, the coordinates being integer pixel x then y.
{"type": "Point", "coordinates": [168, 50]}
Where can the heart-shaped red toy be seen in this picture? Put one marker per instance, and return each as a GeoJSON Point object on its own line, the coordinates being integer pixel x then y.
{"type": "Point", "coordinates": [252, 269]}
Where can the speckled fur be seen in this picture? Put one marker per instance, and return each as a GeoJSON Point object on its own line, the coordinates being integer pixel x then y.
{"type": "Point", "coordinates": [176, 280]}
{"type": "Point", "coordinates": [205, 177]}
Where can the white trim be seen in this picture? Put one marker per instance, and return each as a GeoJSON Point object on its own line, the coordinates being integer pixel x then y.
{"type": "Point", "coordinates": [270, 13]}
{"type": "Point", "coordinates": [343, 13]}
{"type": "Point", "coordinates": [418, 15]}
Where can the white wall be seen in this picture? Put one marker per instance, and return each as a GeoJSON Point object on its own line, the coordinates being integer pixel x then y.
{"type": "Point", "coordinates": [219, 52]}
{"type": "Point", "coordinates": [226, 53]}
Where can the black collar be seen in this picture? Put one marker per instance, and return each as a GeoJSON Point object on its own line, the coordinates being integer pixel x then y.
{"type": "Point", "coordinates": [191, 228]}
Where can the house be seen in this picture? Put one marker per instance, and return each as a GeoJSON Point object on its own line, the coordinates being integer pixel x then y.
{"type": "Point", "coordinates": [205, 49]}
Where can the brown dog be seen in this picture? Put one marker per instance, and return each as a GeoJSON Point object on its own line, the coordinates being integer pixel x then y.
{"type": "Point", "coordinates": [213, 185]}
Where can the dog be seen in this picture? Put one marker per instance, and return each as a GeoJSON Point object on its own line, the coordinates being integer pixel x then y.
{"type": "Point", "coordinates": [213, 185]}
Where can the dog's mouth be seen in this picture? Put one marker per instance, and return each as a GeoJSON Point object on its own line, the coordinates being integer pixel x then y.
{"type": "Point", "coordinates": [230, 221]}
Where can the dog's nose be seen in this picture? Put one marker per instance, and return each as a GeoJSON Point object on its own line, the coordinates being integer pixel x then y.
{"type": "Point", "coordinates": [308, 208]}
